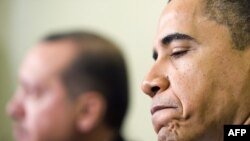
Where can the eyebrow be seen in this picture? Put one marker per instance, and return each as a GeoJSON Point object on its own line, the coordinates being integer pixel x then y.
{"type": "Point", "coordinates": [170, 38]}
{"type": "Point", "coordinates": [176, 36]}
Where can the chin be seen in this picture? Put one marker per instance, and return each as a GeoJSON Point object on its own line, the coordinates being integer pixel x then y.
{"type": "Point", "coordinates": [171, 134]}
{"type": "Point", "coordinates": [167, 134]}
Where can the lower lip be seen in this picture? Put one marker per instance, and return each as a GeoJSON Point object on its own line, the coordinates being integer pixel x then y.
{"type": "Point", "coordinates": [164, 108]}
{"type": "Point", "coordinates": [169, 112]}
{"type": "Point", "coordinates": [162, 117]}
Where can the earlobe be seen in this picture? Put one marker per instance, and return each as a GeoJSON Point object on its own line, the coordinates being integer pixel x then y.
{"type": "Point", "coordinates": [90, 108]}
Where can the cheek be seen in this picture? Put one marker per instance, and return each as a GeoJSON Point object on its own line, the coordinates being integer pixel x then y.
{"type": "Point", "coordinates": [201, 87]}
{"type": "Point", "coordinates": [190, 87]}
{"type": "Point", "coordinates": [193, 81]}
{"type": "Point", "coordinates": [49, 116]}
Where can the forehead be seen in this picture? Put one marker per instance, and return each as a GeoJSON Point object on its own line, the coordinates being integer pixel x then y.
{"type": "Point", "coordinates": [181, 16]}
{"type": "Point", "coordinates": [188, 17]}
{"type": "Point", "coordinates": [46, 60]}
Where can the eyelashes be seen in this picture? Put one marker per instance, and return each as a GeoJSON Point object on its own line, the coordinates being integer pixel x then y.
{"type": "Point", "coordinates": [175, 53]}
{"type": "Point", "coordinates": [178, 52]}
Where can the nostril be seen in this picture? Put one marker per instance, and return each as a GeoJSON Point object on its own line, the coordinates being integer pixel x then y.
{"type": "Point", "coordinates": [155, 89]}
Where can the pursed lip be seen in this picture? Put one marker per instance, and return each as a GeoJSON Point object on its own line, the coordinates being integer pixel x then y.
{"type": "Point", "coordinates": [161, 119]}
{"type": "Point", "coordinates": [156, 108]}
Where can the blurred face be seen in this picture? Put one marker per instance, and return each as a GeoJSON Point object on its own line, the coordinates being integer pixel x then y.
{"type": "Point", "coordinates": [198, 82]}
{"type": "Point", "coordinates": [40, 108]}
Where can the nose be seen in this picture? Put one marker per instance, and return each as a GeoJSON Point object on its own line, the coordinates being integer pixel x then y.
{"type": "Point", "coordinates": [155, 82]}
{"type": "Point", "coordinates": [15, 109]}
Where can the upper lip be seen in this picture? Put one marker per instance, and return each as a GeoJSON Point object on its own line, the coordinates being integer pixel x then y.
{"type": "Point", "coordinates": [161, 107]}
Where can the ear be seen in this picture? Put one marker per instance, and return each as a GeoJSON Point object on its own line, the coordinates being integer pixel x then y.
{"type": "Point", "coordinates": [90, 108]}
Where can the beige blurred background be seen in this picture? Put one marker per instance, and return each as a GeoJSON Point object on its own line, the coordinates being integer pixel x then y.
{"type": "Point", "coordinates": [130, 23]}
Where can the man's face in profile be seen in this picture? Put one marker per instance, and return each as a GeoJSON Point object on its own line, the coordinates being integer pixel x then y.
{"type": "Point", "coordinates": [40, 107]}
{"type": "Point", "coordinates": [198, 82]}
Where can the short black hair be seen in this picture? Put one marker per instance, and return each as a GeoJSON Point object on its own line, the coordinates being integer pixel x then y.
{"type": "Point", "coordinates": [235, 14]}
{"type": "Point", "coordinates": [98, 66]}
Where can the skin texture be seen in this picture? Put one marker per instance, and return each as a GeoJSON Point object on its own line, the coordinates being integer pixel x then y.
{"type": "Point", "coordinates": [198, 82]}
{"type": "Point", "coordinates": [41, 108]}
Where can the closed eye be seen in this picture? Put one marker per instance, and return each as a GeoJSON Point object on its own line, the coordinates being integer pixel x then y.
{"type": "Point", "coordinates": [178, 53]}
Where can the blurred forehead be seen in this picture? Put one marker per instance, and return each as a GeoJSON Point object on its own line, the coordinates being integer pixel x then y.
{"type": "Point", "coordinates": [46, 60]}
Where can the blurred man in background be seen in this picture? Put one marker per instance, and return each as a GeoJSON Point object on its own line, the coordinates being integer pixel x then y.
{"type": "Point", "coordinates": [200, 79]}
{"type": "Point", "coordinates": [72, 87]}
